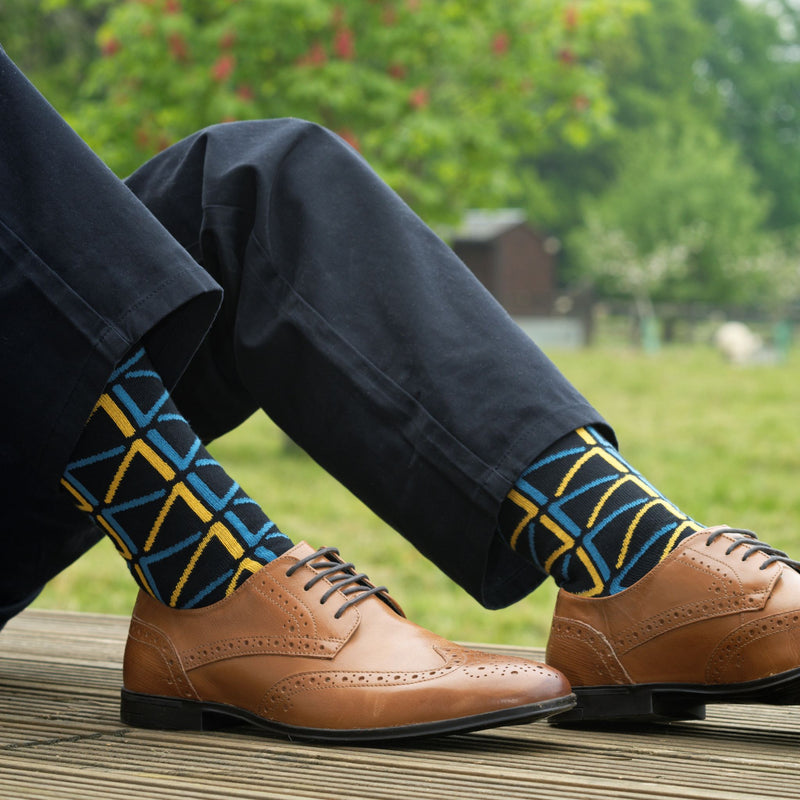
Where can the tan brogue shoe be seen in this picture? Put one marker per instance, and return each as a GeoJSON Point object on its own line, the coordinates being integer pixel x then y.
{"type": "Point", "coordinates": [310, 649]}
{"type": "Point", "coordinates": [717, 621]}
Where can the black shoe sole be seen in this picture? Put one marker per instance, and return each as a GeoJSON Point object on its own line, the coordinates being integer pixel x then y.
{"type": "Point", "coordinates": [675, 701]}
{"type": "Point", "coordinates": [168, 713]}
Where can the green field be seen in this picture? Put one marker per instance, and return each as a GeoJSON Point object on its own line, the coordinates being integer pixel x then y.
{"type": "Point", "coordinates": [720, 441]}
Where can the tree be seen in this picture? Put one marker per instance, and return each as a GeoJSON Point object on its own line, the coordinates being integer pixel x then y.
{"type": "Point", "coordinates": [752, 66]}
{"type": "Point", "coordinates": [649, 73]}
{"type": "Point", "coordinates": [53, 42]}
{"type": "Point", "coordinates": [707, 138]}
{"type": "Point", "coordinates": [616, 263]}
{"type": "Point", "coordinates": [681, 221]}
{"type": "Point", "coordinates": [730, 63]}
{"type": "Point", "coordinates": [440, 97]}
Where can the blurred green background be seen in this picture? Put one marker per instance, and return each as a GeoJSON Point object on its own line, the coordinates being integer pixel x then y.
{"type": "Point", "coordinates": [656, 142]}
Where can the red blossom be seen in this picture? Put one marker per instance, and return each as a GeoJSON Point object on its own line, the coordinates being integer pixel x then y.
{"type": "Point", "coordinates": [172, 6]}
{"type": "Point", "coordinates": [350, 138]}
{"type": "Point", "coordinates": [500, 43]}
{"type": "Point", "coordinates": [316, 56]}
{"type": "Point", "coordinates": [397, 70]}
{"type": "Point", "coordinates": [571, 17]}
{"type": "Point", "coordinates": [110, 46]}
{"type": "Point", "coordinates": [142, 138]}
{"type": "Point", "coordinates": [419, 98]}
{"type": "Point", "coordinates": [344, 44]}
{"type": "Point", "coordinates": [227, 40]}
{"type": "Point", "coordinates": [580, 102]}
{"type": "Point", "coordinates": [337, 17]}
{"type": "Point", "coordinates": [178, 47]}
{"type": "Point", "coordinates": [566, 56]}
{"type": "Point", "coordinates": [389, 16]}
{"type": "Point", "coordinates": [223, 67]}
{"type": "Point", "coordinates": [246, 93]}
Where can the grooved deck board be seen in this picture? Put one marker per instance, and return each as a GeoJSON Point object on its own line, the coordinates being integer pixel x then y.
{"type": "Point", "coordinates": [60, 737]}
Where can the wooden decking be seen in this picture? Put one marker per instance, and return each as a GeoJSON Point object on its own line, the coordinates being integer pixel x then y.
{"type": "Point", "coordinates": [60, 737]}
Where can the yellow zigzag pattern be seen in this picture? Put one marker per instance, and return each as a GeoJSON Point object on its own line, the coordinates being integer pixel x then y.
{"type": "Point", "coordinates": [137, 448]}
{"type": "Point", "coordinates": [572, 480]}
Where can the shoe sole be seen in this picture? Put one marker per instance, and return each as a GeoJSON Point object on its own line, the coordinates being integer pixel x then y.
{"type": "Point", "coordinates": [675, 701]}
{"type": "Point", "coordinates": [168, 713]}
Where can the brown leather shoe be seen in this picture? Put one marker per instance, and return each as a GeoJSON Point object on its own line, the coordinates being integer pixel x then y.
{"type": "Point", "coordinates": [310, 649]}
{"type": "Point", "coordinates": [717, 621]}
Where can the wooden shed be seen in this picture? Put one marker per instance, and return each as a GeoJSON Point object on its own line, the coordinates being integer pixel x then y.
{"type": "Point", "coordinates": [513, 261]}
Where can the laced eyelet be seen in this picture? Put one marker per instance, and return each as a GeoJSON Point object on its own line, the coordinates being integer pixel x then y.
{"type": "Point", "coordinates": [341, 575]}
{"type": "Point", "coordinates": [754, 545]}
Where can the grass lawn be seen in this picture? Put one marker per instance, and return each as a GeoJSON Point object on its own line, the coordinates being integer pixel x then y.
{"type": "Point", "coordinates": [719, 441]}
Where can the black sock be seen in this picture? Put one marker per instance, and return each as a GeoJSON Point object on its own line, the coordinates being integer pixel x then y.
{"type": "Point", "coordinates": [588, 519]}
{"type": "Point", "coordinates": [189, 533]}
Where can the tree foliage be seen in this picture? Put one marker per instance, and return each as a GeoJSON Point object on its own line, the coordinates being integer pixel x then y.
{"type": "Point", "coordinates": [666, 131]}
{"type": "Point", "coordinates": [53, 42]}
{"type": "Point", "coordinates": [441, 97]}
{"type": "Point", "coordinates": [706, 141]}
{"type": "Point", "coordinates": [679, 189]}
{"type": "Point", "coordinates": [752, 64]}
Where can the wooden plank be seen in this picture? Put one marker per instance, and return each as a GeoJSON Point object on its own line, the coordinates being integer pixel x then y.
{"type": "Point", "coordinates": [60, 737]}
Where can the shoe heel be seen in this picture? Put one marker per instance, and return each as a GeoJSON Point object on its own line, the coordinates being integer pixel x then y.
{"type": "Point", "coordinates": [163, 713]}
{"type": "Point", "coordinates": [630, 704]}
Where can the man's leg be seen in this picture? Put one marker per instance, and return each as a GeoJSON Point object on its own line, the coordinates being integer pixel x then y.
{"type": "Point", "coordinates": [233, 619]}
{"type": "Point", "coordinates": [363, 336]}
{"type": "Point", "coordinates": [589, 518]}
{"type": "Point", "coordinates": [189, 533]}
{"type": "Point", "coordinates": [372, 345]}
{"type": "Point", "coordinates": [195, 542]}
{"type": "Point", "coordinates": [76, 248]}
{"type": "Point", "coordinates": [305, 645]}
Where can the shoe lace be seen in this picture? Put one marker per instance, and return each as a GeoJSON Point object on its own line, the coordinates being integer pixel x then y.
{"type": "Point", "coordinates": [754, 545]}
{"type": "Point", "coordinates": [342, 575]}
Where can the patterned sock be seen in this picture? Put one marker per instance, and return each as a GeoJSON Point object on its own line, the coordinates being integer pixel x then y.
{"type": "Point", "coordinates": [588, 519]}
{"type": "Point", "coordinates": [189, 533]}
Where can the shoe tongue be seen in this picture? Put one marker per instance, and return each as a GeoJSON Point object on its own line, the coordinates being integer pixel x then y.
{"type": "Point", "coordinates": [300, 550]}
{"type": "Point", "coordinates": [303, 549]}
{"type": "Point", "coordinates": [714, 529]}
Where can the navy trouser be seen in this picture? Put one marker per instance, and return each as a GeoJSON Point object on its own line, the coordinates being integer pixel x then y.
{"type": "Point", "coordinates": [344, 318]}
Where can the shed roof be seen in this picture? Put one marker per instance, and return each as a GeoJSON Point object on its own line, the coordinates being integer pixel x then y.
{"type": "Point", "coordinates": [482, 225]}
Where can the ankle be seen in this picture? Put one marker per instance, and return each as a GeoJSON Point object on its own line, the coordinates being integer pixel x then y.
{"type": "Point", "coordinates": [587, 518]}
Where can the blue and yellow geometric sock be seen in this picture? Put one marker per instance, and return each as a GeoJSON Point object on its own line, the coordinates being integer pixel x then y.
{"type": "Point", "coordinates": [588, 519]}
{"type": "Point", "coordinates": [189, 533]}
